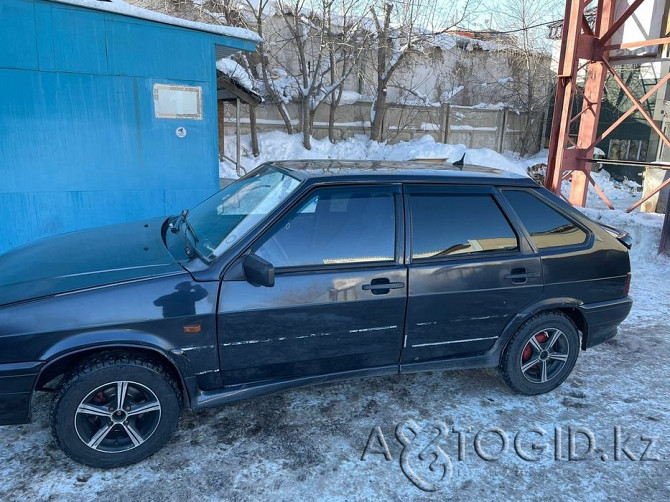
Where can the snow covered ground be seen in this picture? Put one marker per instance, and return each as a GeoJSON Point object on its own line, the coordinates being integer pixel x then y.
{"type": "Point", "coordinates": [308, 444]}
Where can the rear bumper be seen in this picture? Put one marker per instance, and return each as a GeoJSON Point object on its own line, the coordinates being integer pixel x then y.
{"type": "Point", "coordinates": [603, 318]}
{"type": "Point", "coordinates": [16, 387]}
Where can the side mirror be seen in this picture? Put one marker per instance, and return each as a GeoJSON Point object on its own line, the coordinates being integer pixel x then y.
{"type": "Point", "coordinates": [258, 271]}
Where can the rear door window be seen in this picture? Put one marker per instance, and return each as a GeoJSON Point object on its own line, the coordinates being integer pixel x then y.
{"type": "Point", "coordinates": [448, 224]}
{"type": "Point", "coordinates": [547, 227]}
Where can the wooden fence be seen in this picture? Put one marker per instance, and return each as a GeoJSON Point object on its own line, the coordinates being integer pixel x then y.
{"type": "Point", "coordinates": [500, 129]}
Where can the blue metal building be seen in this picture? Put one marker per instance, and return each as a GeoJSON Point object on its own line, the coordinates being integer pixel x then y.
{"type": "Point", "coordinates": [105, 116]}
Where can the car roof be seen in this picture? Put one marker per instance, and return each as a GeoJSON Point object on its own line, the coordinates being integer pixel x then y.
{"type": "Point", "coordinates": [399, 171]}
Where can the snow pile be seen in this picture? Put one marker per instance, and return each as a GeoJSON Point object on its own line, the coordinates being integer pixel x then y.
{"type": "Point", "coordinates": [278, 145]}
{"type": "Point", "coordinates": [121, 7]}
{"type": "Point", "coordinates": [491, 158]}
{"type": "Point", "coordinates": [351, 97]}
{"type": "Point", "coordinates": [622, 194]}
{"type": "Point", "coordinates": [235, 72]}
{"type": "Point", "coordinates": [540, 157]}
{"type": "Point", "coordinates": [283, 86]}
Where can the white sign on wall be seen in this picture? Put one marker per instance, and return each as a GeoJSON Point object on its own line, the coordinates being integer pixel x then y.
{"type": "Point", "coordinates": [177, 102]}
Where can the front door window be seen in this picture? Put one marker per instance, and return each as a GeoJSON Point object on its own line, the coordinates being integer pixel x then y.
{"type": "Point", "coordinates": [334, 227]}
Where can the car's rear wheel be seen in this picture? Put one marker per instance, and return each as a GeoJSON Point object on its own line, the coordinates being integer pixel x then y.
{"type": "Point", "coordinates": [541, 354]}
{"type": "Point", "coordinates": [115, 411]}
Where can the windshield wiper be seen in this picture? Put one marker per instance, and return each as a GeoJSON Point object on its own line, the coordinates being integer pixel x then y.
{"type": "Point", "coordinates": [178, 221]}
{"type": "Point", "coordinates": [175, 225]}
{"type": "Point", "coordinates": [188, 225]}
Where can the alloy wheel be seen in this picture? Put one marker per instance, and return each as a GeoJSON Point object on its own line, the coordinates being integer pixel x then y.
{"type": "Point", "coordinates": [117, 416]}
{"type": "Point", "coordinates": [544, 355]}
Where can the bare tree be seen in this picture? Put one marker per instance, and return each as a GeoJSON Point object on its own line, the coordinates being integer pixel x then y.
{"type": "Point", "coordinates": [315, 51]}
{"type": "Point", "coordinates": [259, 63]}
{"type": "Point", "coordinates": [531, 78]}
{"type": "Point", "coordinates": [307, 71]}
{"type": "Point", "coordinates": [253, 15]}
{"type": "Point", "coordinates": [404, 28]}
{"type": "Point", "coordinates": [347, 42]}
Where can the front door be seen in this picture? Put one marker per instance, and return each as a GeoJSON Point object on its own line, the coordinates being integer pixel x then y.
{"type": "Point", "coordinates": [470, 272]}
{"type": "Point", "coordinates": [338, 303]}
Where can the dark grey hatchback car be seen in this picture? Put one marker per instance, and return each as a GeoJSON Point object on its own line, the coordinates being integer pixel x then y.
{"type": "Point", "coordinates": [300, 273]}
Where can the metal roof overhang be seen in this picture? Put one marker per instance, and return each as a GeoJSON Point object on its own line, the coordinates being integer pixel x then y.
{"type": "Point", "coordinates": [229, 90]}
{"type": "Point", "coordinates": [227, 46]}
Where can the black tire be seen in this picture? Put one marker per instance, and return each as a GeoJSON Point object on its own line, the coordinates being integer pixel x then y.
{"type": "Point", "coordinates": [86, 410]}
{"type": "Point", "coordinates": [541, 354]}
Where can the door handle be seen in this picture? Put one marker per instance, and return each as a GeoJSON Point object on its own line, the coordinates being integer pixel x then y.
{"type": "Point", "coordinates": [520, 276]}
{"type": "Point", "coordinates": [382, 286]}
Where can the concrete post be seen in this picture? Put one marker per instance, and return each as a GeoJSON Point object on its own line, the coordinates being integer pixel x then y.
{"type": "Point", "coordinates": [444, 124]}
{"type": "Point", "coordinates": [653, 177]}
{"type": "Point", "coordinates": [221, 115]}
{"type": "Point", "coordinates": [665, 232]}
{"type": "Point", "coordinates": [237, 137]}
{"type": "Point", "coordinates": [543, 132]}
{"type": "Point", "coordinates": [501, 132]}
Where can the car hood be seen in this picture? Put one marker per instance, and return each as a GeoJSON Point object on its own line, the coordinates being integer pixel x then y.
{"type": "Point", "coordinates": [85, 259]}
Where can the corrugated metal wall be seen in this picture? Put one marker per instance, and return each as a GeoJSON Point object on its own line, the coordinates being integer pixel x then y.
{"type": "Point", "coordinates": [79, 144]}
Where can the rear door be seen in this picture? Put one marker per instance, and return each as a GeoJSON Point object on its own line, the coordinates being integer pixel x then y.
{"type": "Point", "coordinates": [470, 271]}
{"type": "Point", "coordinates": [338, 303]}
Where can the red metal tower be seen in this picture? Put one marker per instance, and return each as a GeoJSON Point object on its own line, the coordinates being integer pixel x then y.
{"type": "Point", "coordinates": [591, 46]}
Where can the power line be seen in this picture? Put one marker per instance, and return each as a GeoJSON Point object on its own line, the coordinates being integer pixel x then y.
{"type": "Point", "coordinates": [529, 27]}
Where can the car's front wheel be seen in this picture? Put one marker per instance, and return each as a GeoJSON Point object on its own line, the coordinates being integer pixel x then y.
{"type": "Point", "coordinates": [115, 411]}
{"type": "Point", "coordinates": [541, 354]}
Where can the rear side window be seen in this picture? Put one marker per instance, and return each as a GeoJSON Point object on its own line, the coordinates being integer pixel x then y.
{"type": "Point", "coordinates": [547, 227]}
{"type": "Point", "coordinates": [445, 225]}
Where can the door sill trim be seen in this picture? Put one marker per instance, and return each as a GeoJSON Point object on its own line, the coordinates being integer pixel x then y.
{"type": "Point", "coordinates": [239, 392]}
{"type": "Point", "coordinates": [487, 360]}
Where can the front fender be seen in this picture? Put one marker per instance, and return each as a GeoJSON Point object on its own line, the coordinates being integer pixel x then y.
{"type": "Point", "coordinates": [60, 357]}
{"type": "Point", "coordinates": [108, 339]}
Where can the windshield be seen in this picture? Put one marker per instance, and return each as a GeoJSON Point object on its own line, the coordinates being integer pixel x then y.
{"type": "Point", "coordinates": [224, 218]}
